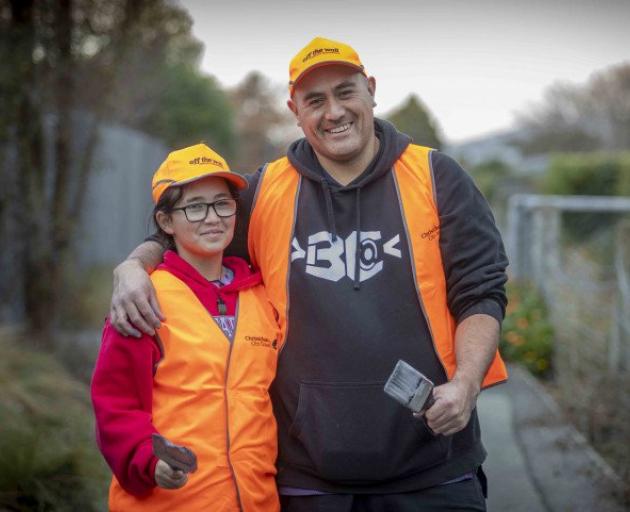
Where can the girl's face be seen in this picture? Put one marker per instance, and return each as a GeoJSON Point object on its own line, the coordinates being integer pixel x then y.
{"type": "Point", "coordinates": [210, 235]}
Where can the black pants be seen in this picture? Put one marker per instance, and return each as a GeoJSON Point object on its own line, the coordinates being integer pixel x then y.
{"type": "Point", "coordinates": [468, 496]}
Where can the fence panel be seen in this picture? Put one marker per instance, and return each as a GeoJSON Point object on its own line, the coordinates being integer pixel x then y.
{"type": "Point", "coordinates": [576, 251]}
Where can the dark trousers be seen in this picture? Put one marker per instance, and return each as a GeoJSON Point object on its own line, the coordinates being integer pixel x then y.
{"type": "Point", "coordinates": [461, 496]}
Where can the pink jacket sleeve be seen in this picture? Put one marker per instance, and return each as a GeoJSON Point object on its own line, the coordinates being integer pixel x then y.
{"type": "Point", "coordinates": [122, 393]}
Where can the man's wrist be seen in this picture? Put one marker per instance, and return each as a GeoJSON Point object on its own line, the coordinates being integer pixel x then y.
{"type": "Point", "coordinates": [131, 261]}
{"type": "Point", "coordinates": [471, 383]}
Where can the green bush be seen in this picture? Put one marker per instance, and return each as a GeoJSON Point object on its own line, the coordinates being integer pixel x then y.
{"type": "Point", "coordinates": [489, 175]}
{"type": "Point", "coordinates": [48, 455]}
{"type": "Point", "coordinates": [527, 334]}
{"type": "Point", "coordinates": [596, 174]}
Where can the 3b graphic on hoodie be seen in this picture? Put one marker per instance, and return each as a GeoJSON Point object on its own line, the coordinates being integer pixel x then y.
{"type": "Point", "coordinates": [334, 259]}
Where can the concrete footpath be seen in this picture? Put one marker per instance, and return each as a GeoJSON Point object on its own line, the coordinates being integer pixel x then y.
{"type": "Point", "coordinates": [536, 460]}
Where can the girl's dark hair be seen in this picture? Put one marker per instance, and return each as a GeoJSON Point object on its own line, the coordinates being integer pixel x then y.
{"type": "Point", "coordinates": [167, 202]}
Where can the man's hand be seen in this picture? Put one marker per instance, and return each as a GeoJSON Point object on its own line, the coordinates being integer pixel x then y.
{"type": "Point", "coordinates": [454, 402]}
{"type": "Point", "coordinates": [476, 341]}
{"type": "Point", "coordinates": [169, 478]}
{"type": "Point", "coordinates": [134, 303]}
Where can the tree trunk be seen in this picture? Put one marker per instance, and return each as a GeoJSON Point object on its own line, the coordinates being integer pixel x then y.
{"type": "Point", "coordinates": [51, 188]}
{"type": "Point", "coordinates": [43, 193]}
{"type": "Point", "coordinates": [27, 139]}
{"type": "Point", "coordinates": [60, 225]}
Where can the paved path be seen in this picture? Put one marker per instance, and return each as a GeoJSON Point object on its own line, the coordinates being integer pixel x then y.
{"type": "Point", "coordinates": [510, 486]}
{"type": "Point", "coordinates": [536, 461]}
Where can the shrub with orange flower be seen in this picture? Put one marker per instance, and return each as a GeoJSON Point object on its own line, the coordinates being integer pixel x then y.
{"type": "Point", "coordinates": [527, 335]}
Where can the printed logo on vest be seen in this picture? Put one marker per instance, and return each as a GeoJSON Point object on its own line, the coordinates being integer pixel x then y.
{"type": "Point", "coordinates": [261, 341]}
{"type": "Point", "coordinates": [334, 260]}
{"type": "Point", "coordinates": [432, 234]}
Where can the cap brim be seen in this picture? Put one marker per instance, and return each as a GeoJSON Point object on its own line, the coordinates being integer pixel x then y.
{"type": "Point", "coordinates": [292, 85]}
{"type": "Point", "coordinates": [236, 179]}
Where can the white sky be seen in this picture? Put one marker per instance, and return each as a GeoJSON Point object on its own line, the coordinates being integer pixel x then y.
{"type": "Point", "coordinates": [473, 62]}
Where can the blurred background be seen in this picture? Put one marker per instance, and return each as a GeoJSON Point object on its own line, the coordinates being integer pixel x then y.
{"type": "Point", "coordinates": [533, 99]}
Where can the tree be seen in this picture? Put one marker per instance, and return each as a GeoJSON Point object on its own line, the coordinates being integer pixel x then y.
{"type": "Point", "coordinates": [190, 108]}
{"type": "Point", "coordinates": [263, 124]}
{"type": "Point", "coordinates": [594, 116]}
{"type": "Point", "coordinates": [65, 58]}
{"type": "Point", "coordinates": [41, 211]}
{"type": "Point", "coordinates": [413, 118]}
{"type": "Point", "coordinates": [160, 89]}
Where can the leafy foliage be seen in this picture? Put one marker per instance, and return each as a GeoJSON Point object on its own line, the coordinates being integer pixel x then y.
{"type": "Point", "coordinates": [159, 87]}
{"type": "Point", "coordinates": [263, 123]}
{"type": "Point", "coordinates": [413, 118]}
{"type": "Point", "coordinates": [594, 116]}
{"type": "Point", "coordinates": [527, 335]}
{"type": "Point", "coordinates": [489, 175]}
{"type": "Point", "coordinates": [48, 456]}
{"type": "Point", "coordinates": [193, 108]}
{"type": "Point", "coordinates": [597, 174]}
{"type": "Point", "coordinates": [69, 67]}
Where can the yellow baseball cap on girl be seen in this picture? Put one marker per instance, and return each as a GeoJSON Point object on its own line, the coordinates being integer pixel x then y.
{"type": "Point", "coordinates": [319, 52]}
{"type": "Point", "coordinates": [191, 164]}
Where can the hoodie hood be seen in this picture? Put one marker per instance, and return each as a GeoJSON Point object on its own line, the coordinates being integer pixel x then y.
{"type": "Point", "coordinates": [218, 301]}
{"type": "Point", "coordinates": [244, 277]}
{"type": "Point", "coordinates": [304, 160]}
{"type": "Point", "coordinates": [392, 145]}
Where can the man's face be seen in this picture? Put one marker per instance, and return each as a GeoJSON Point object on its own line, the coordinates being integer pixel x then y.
{"type": "Point", "coordinates": [333, 105]}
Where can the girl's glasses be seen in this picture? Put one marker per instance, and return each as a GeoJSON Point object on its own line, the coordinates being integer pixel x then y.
{"type": "Point", "coordinates": [197, 212]}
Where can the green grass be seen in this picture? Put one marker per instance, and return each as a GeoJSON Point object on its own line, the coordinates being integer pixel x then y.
{"type": "Point", "coordinates": [48, 455]}
{"type": "Point", "coordinates": [87, 298]}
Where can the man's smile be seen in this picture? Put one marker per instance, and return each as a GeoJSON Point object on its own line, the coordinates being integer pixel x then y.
{"type": "Point", "coordinates": [339, 129]}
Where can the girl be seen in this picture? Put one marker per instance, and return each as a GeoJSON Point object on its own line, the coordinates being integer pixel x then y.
{"type": "Point", "coordinates": [202, 381]}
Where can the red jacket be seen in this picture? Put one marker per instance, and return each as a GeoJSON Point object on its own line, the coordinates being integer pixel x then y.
{"type": "Point", "coordinates": [122, 384]}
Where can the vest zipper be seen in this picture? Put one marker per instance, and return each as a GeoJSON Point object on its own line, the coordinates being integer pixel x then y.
{"type": "Point", "coordinates": [227, 415]}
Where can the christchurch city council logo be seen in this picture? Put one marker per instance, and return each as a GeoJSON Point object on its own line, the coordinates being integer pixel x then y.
{"type": "Point", "coordinates": [333, 260]}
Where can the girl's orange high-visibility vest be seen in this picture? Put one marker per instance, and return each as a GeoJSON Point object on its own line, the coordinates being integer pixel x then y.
{"type": "Point", "coordinates": [275, 205]}
{"type": "Point", "coordinates": [211, 395]}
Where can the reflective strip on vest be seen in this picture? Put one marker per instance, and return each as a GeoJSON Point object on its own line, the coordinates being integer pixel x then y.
{"type": "Point", "coordinates": [206, 389]}
{"type": "Point", "coordinates": [276, 205]}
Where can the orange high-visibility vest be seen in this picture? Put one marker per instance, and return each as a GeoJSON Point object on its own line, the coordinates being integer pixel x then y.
{"type": "Point", "coordinates": [276, 205]}
{"type": "Point", "coordinates": [212, 396]}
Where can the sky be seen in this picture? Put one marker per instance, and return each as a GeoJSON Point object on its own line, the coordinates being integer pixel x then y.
{"type": "Point", "coordinates": [474, 63]}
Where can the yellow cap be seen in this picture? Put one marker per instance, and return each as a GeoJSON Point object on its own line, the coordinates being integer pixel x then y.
{"type": "Point", "coordinates": [319, 52]}
{"type": "Point", "coordinates": [191, 164]}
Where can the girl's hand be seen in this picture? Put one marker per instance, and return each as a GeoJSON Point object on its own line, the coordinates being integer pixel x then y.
{"type": "Point", "coordinates": [169, 478]}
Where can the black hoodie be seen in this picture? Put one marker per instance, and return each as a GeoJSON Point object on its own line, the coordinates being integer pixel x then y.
{"type": "Point", "coordinates": [348, 325]}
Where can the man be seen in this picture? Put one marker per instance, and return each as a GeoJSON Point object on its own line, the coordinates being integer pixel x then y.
{"type": "Point", "coordinates": [372, 250]}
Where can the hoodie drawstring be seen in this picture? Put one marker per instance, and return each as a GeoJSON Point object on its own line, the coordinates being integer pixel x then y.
{"type": "Point", "coordinates": [357, 250]}
{"type": "Point", "coordinates": [330, 214]}
{"type": "Point", "coordinates": [329, 209]}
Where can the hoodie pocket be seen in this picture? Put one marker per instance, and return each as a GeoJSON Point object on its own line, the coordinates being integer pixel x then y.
{"type": "Point", "coordinates": [354, 432]}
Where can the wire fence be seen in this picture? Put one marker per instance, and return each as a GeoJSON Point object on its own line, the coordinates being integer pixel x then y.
{"type": "Point", "coordinates": [576, 251]}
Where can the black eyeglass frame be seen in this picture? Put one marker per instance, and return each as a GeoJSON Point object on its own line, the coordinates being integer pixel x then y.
{"type": "Point", "coordinates": [208, 205]}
